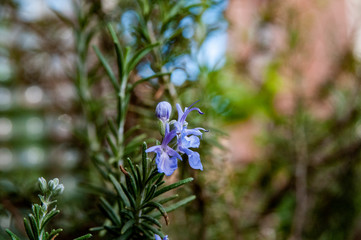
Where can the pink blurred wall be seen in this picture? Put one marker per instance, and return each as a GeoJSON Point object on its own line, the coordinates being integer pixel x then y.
{"type": "Point", "coordinates": [325, 36]}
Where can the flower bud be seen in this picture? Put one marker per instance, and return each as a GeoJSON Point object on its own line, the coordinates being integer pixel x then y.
{"type": "Point", "coordinates": [163, 111]}
{"type": "Point", "coordinates": [53, 184]}
{"type": "Point", "coordinates": [43, 185]}
{"type": "Point", "coordinates": [58, 190]}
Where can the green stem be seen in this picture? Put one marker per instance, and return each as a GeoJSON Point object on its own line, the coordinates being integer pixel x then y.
{"type": "Point", "coordinates": [123, 102]}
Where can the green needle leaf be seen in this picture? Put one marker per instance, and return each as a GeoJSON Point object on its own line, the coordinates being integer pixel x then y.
{"type": "Point", "coordinates": [151, 228]}
{"type": "Point", "coordinates": [152, 220]}
{"type": "Point", "coordinates": [118, 50]}
{"type": "Point", "coordinates": [28, 230]}
{"type": "Point", "coordinates": [172, 186]}
{"type": "Point", "coordinates": [160, 208]}
{"type": "Point", "coordinates": [127, 225]}
{"type": "Point", "coordinates": [126, 235]}
{"type": "Point", "coordinates": [131, 87]}
{"type": "Point", "coordinates": [139, 55]}
{"type": "Point", "coordinates": [53, 234]}
{"type": "Point", "coordinates": [129, 196]}
{"type": "Point", "coordinates": [12, 235]}
{"type": "Point", "coordinates": [34, 226]}
{"type": "Point", "coordinates": [165, 200]}
{"type": "Point", "coordinates": [84, 237]}
{"type": "Point", "coordinates": [119, 190]}
{"type": "Point", "coordinates": [48, 217]}
{"type": "Point", "coordinates": [107, 67]}
{"type": "Point", "coordinates": [144, 161]}
{"type": "Point", "coordinates": [176, 205]}
{"type": "Point", "coordinates": [108, 210]}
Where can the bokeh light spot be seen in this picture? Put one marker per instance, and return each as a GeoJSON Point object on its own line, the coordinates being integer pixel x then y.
{"type": "Point", "coordinates": [34, 94]}
{"type": "Point", "coordinates": [178, 77]}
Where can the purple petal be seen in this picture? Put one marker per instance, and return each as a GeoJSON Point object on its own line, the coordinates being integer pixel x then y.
{"type": "Point", "coordinates": [166, 129]}
{"type": "Point", "coordinates": [166, 165]}
{"type": "Point", "coordinates": [190, 142]}
{"type": "Point", "coordinates": [195, 161]}
{"type": "Point", "coordinates": [194, 131]}
{"type": "Point", "coordinates": [178, 126]}
{"type": "Point", "coordinates": [193, 103]}
{"type": "Point", "coordinates": [173, 153]}
{"type": "Point", "coordinates": [157, 237]}
{"type": "Point", "coordinates": [198, 128]}
{"type": "Point", "coordinates": [196, 109]}
{"type": "Point", "coordinates": [193, 158]}
{"type": "Point", "coordinates": [180, 111]}
{"type": "Point", "coordinates": [156, 149]}
{"type": "Point", "coordinates": [168, 137]}
{"type": "Point", "coordinates": [184, 116]}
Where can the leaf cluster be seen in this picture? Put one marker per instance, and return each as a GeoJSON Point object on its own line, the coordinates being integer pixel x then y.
{"type": "Point", "coordinates": [37, 221]}
{"type": "Point", "coordinates": [134, 209]}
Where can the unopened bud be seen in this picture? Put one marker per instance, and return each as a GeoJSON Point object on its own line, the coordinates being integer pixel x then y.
{"type": "Point", "coordinates": [43, 185]}
{"type": "Point", "coordinates": [58, 190]}
{"type": "Point", "coordinates": [163, 111]}
{"type": "Point", "coordinates": [53, 184]}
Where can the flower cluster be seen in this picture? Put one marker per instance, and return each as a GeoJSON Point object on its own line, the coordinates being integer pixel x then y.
{"type": "Point", "coordinates": [52, 188]}
{"type": "Point", "coordinates": [167, 157]}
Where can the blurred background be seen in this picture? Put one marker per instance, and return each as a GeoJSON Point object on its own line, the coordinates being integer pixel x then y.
{"type": "Point", "coordinates": [279, 82]}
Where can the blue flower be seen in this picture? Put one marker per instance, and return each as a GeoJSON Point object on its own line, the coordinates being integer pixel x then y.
{"type": "Point", "coordinates": [183, 115]}
{"type": "Point", "coordinates": [167, 158]}
{"type": "Point", "coordinates": [181, 124]}
{"type": "Point", "coordinates": [163, 111]}
{"type": "Point", "coordinates": [157, 237]}
{"type": "Point", "coordinates": [188, 138]}
{"type": "Point", "coordinates": [184, 143]}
